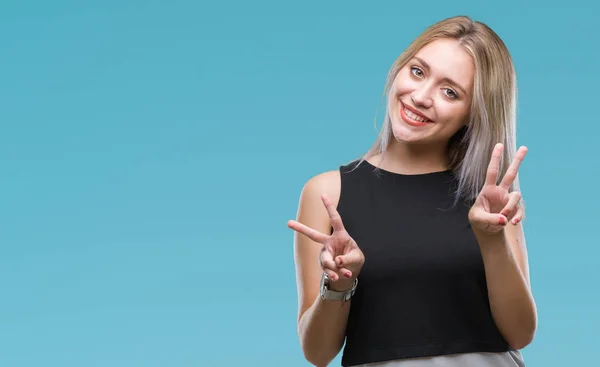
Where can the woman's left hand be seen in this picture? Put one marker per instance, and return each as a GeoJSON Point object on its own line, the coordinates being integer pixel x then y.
{"type": "Point", "coordinates": [495, 206]}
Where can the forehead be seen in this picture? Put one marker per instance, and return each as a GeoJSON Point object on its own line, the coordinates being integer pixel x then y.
{"type": "Point", "coordinates": [448, 59]}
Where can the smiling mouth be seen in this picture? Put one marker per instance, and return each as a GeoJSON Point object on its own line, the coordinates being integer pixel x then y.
{"type": "Point", "coordinates": [413, 115]}
{"type": "Point", "coordinates": [413, 118]}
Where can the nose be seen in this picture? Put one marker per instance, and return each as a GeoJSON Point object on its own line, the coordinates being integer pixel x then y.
{"type": "Point", "coordinates": [421, 97]}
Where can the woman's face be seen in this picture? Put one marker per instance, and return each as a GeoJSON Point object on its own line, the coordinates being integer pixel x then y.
{"type": "Point", "coordinates": [431, 95]}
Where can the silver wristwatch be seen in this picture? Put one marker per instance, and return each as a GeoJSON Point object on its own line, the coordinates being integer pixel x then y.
{"type": "Point", "coordinates": [330, 295]}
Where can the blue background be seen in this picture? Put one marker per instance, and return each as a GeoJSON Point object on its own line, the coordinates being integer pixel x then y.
{"type": "Point", "coordinates": [151, 153]}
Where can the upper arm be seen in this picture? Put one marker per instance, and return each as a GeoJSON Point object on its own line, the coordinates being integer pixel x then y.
{"type": "Point", "coordinates": [312, 213]}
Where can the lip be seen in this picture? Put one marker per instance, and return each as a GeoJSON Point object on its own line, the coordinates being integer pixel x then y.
{"type": "Point", "coordinates": [410, 121]}
{"type": "Point", "coordinates": [415, 111]}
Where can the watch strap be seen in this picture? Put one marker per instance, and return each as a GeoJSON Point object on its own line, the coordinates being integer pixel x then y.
{"type": "Point", "coordinates": [331, 295]}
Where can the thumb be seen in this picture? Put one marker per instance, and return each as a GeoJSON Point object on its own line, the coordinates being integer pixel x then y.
{"type": "Point", "coordinates": [352, 259]}
{"type": "Point", "coordinates": [484, 220]}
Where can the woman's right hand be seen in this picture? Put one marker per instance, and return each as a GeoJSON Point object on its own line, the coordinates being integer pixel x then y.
{"type": "Point", "coordinates": [340, 257]}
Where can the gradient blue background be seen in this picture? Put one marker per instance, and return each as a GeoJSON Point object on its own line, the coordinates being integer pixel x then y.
{"type": "Point", "coordinates": [151, 153]}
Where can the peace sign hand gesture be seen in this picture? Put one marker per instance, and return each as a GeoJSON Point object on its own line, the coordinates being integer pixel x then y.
{"type": "Point", "coordinates": [495, 206]}
{"type": "Point", "coordinates": [340, 256]}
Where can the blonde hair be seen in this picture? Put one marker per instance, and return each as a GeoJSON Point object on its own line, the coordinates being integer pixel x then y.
{"type": "Point", "coordinates": [492, 117]}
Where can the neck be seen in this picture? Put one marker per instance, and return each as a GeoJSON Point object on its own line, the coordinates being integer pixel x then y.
{"type": "Point", "coordinates": [413, 158]}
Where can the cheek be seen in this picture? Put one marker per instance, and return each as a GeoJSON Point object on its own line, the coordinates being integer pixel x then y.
{"type": "Point", "coordinates": [405, 88]}
{"type": "Point", "coordinates": [452, 114]}
{"type": "Point", "coordinates": [403, 84]}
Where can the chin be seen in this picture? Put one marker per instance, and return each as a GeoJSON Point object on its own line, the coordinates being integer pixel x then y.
{"type": "Point", "coordinates": [402, 135]}
{"type": "Point", "coordinates": [405, 133]}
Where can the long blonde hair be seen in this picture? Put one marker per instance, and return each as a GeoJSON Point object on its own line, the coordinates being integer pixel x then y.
{"type": "Point", "coordinates": [493, 108]}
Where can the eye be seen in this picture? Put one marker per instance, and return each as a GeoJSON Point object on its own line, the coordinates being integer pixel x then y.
{"type": "Point", "coordinates": [416, 71]}
{"type": "Point", "coordinates": [450, 93]}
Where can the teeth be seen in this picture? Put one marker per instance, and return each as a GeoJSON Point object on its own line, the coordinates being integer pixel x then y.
{"type": "Point", "coordinates": [413, 116]}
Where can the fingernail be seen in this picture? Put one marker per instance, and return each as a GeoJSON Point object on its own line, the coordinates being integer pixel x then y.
{"type": "Point", "coordinates": [502, 221]}
{"type": "Point", "coordinates": [347, 275]}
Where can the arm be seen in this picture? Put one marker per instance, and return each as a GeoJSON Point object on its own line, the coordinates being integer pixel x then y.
{"type": "Point", "coordinates": [496, 221]}
{"type": "Point", "coordinates": [321, 323]}
{"type": "Point", "coordinates": [507, 274]}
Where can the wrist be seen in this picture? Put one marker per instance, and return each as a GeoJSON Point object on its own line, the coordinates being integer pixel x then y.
{"type": "Point", "coordinates": [341, 285]}
{"type": "Point", "coordinates": [337, 291]}
{"type": "Point", "coordinates": [490, 239]}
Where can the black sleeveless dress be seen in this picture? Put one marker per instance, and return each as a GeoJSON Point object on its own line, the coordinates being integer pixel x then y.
{"type": "Point", "coordinates": [422, 290]}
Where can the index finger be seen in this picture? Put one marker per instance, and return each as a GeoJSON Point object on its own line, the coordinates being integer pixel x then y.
{"type": "Point", "coordinates": [511, 173]}
{"type": "Point", "coordinates": [491, 177]}
{"type": "Point", "coordinates": [307, 231]}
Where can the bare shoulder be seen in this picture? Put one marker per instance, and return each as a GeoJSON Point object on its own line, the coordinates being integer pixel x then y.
{"type": "Point", "coordinates": [311, 210]}
{"type": "Point", "coordinates": [328, 183]}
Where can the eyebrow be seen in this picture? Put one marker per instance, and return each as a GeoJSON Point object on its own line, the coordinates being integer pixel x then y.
{"type": "Point", "coordinates": [448, 80]}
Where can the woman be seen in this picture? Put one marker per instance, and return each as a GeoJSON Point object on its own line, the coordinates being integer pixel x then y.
{"type": "Point", "coordinates": [414, 255]}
